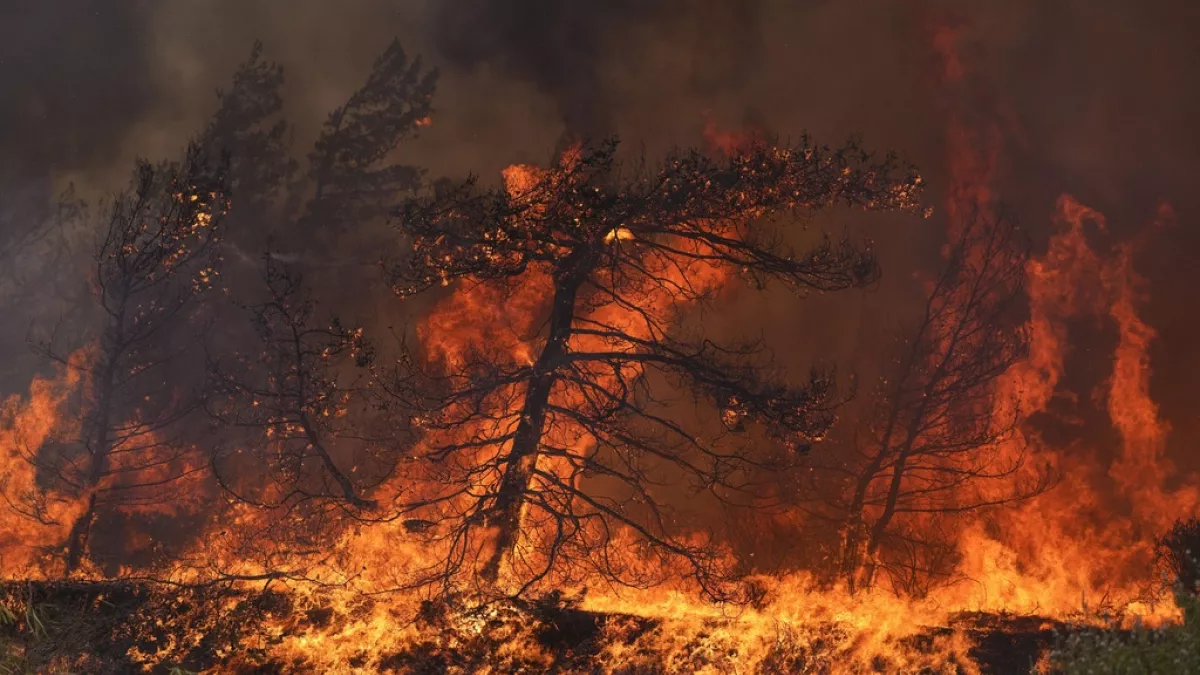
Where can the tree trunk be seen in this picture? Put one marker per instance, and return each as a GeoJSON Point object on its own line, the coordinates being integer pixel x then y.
{"type": "Point", "coordinates": [77, 538]}
{"type": "Point", "coordinates": [865, 573]}
{"type": "Point", "coordinates": [522, 458]}
{"type": "Point", "coordinates": [99, 442]}
{"type": "Point", "coordinates": [852, 548]}
{"type": "Point", "coordinates": [937, 376]}
{"type": "Point", "coordinates": [852, 542]}
{"type": "Point", "coordinates": [343, 481]}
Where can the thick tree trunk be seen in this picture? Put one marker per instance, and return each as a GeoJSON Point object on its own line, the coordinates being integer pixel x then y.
{"type": "Point", "coordinates": [522, 458]}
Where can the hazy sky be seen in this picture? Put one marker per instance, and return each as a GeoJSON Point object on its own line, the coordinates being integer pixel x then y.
{"type": "Point", "coordinates": [1099, 96]}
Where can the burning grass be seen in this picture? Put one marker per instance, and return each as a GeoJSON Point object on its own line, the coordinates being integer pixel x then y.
{"type": "Point", "coordinates": [514, 494]}
{"type": "Point", "coordinates": [127, 627]}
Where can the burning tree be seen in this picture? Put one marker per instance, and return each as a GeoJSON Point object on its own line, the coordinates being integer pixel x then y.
{"type": "Point", "coordinates": [156, 257]}
{"type": "Point", "coordinates": [552, 455]}
{"type": "Point", "coordinates": [307, 434]}
{"type": "Point", "coordinates": [943, 439]}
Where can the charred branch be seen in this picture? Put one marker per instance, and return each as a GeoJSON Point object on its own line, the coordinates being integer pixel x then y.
{"type": "Point", "coordinates": [525, 447]}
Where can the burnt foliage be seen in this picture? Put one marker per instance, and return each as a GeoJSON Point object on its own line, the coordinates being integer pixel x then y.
{"type": "Point", "coordinates": [1178, 551]}
{"type": "Point", "coordinates": [941, 438]}
{"type": "Point", "coordinates": [523, 443]}
{"type": "Point", "coordinates": [155, 261]}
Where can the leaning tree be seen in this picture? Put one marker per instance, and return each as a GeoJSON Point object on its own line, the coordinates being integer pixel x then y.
{"type": "Point", "coordinates": [558, 456]}
{"type": "Point", "coordinates": [353, 176]}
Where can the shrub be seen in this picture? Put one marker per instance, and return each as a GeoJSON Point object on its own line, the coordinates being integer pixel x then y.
{"type": "Point", "coordinates": [1160, 651]}
{"type": "Point", "coordinates": [1178, 551]}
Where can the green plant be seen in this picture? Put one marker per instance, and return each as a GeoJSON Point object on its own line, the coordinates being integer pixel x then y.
{"type": "Point", "coordinates": [1150, 651]}
{"type": "Point", "coordinates": [12, 660]}
{"type": "Point", "coordinates": [34, 620]}
{"type": "Point", "coordinates": [33, 617]}
{"type": "Point", "coordinates": [7, 617]}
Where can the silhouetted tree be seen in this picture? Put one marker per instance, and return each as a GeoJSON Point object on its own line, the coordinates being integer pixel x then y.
{"type": "Point", "coordinates": [156, 257]}
{"type": "Point", "coordinates": [300, 411]}
{"type": "Point", "coordinates": [942, 439]}
{"type": "Point", "coordinates": [352, 180]}
{"type": "Point", "coordinates": [305, 418]}
{"type": "Point", "coordinates": [249, 128]}
{"type": "Point", "coordinates": [551, 463]}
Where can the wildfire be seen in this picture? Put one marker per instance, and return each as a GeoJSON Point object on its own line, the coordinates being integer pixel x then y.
{"type": "Point", "coordinates": [1041, 563]}
{"type": "Point", "coordinates": [35, 518]}
{"type": "Point", "coordinates": [570, 425]}
{"type": "Point", "coordinates": [1066, 551]}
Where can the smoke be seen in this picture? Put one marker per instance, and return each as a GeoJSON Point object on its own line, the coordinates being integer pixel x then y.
{"type": "Point", "coordinates": [74, 83]}
{"type": "Point", "coordinates": [571, 51]}
{"type": "Point", "coordinates": [1098, 100]}
{"type": "Point", "coordinates": [1092, 85]}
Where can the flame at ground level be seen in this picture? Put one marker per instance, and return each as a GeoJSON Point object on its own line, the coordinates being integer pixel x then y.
{"type": "Point", "coordinates": [1083, 550]}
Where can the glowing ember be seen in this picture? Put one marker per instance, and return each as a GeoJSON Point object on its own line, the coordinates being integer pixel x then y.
{"type": "Point", "coordinates": [559, 465]}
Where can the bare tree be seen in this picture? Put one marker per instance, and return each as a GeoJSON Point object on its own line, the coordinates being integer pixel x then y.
{"type": "Point", "coordinates": [557, 463]}
{"type": "Point", "coordinates": [156, 257]}
{"type": "Point", "coordinates": [306, 419]}
{"type": "Point", "coordinates": [942, 440]}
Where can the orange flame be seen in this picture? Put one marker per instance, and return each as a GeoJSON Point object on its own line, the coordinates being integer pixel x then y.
{"type": "Point", "coordinates": [36, 518]}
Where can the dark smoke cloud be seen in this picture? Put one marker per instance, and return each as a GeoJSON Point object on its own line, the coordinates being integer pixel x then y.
{"type": "Point", "coordinates": [1102, 94]}
{"type": "Point", "coordinates": [75, 79]}
{"type": "Point", "coordinates": [564, 47]}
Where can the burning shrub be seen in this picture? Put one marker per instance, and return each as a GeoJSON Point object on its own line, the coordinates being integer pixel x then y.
{"type": "Point", "coordinates": [1177, 552]}
{"type": "Point", "coordinates": [1172, 649]}
{"type": "Point", "coordinates": [1161, 651]}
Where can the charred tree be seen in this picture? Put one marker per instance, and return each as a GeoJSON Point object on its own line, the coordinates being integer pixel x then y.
{"type": "Point", "coordinates": [523, 442]}
{"type": "Point", "coordinates": [297, 407]}
{"type": "Point", "coordinates": [157, 256]}
{"type": "Point", "coordinates": [943, 438]}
